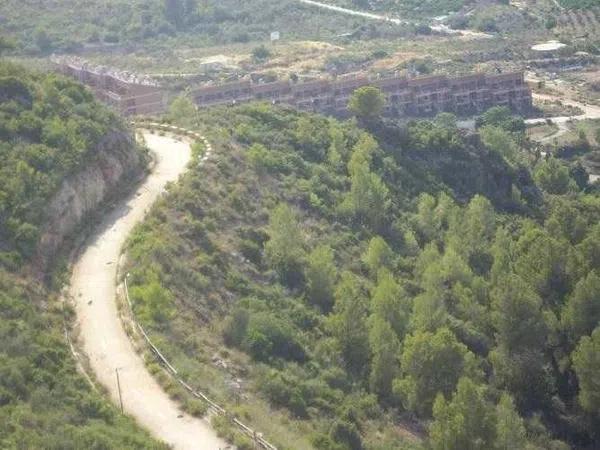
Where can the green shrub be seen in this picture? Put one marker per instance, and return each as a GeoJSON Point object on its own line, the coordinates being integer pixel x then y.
{"type": "Point", "coordinates": [243, 442]}
{"type": "Point", "coordinates": [268, 336]}
{"type": "Point", "coordinates": [251, 251]}
{"type": "Point", "coordinates": [196, 408]}
{"type": "Point", "coordinates": [261, 53]}
{"type": "Point", "coordinates": [236, 327]}
{"type": "Point", "coordinates": [223, 427]}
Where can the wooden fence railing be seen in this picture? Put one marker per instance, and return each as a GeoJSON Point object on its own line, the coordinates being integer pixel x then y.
{"type": "Point", "coordinates": [214, 407]}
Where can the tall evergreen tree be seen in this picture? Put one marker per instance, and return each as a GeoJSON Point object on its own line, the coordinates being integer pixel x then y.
{"type": "Point", "coordinates": [586, 361]}
{"type": "Point", "coordinates": [321, 277]}
{"type": "Point", "coordinates": [390, 302]}
{"type": "Point", "coordinates": [430, 364]}
{"type": "Point", "coordinates": [384, 365]}
{"type": "Point", "coordinates": [285, 248]}
{"type": "Point", "coordinates": [368, 199]}
{"type": "Point", "coordinates": [521, 332]}
{"type": "Point", "coordinates": [510, 429]}
{"type": "Point", "coordinates": [378, 255]}
{"type": "Point", "coordinates": [174, 11]}
{"type": "Point", "coordinates": [582, 312]}
{"type": "Point", "coordinates": [349, 323]}
{"type": "Point", "coordinates": [467, 422]}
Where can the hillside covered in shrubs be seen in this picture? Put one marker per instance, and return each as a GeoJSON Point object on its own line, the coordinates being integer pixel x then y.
{"type": "Point", "coordinates": [156, 25]}
{"type": "Point", "coordinates": [379, 287]}
{"type": "Point", "coordinates": [48, 129]}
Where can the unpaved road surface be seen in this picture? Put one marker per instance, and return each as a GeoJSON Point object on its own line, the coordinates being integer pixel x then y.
{"type": "Point", "coordinates": [589, 112]}
{"type": "Point", "coordinates": [352, 12]}
{"type": "Point", "coordinates": [367, 15]}
{"type": "Point", "coordinates": [102, 337]}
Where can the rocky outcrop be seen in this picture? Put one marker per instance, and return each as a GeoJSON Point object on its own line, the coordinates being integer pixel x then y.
{"type": "Point", "coordinates": [116, 162]}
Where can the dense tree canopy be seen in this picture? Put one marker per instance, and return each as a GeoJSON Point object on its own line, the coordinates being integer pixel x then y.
{"type": "Point", "coordinates": [371, 277]}
{"type": "Point", "coordinates": [582, 312]}
{"type": "Point", "coordinates": [321, 277]}
{"type": "Point", "coordinates": [73, 25]}
{"type": "Point", "coordinates": [553, 177]}
{"type": "Point", "coordinates": [49, 128]}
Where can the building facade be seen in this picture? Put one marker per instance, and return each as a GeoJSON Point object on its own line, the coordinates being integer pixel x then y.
{"type": "Point", "coordinates": [404, 96]}
{"type": "Point", "coordinates": [133, 95]}
{"type": "Point", "coordinates": [127, 93]}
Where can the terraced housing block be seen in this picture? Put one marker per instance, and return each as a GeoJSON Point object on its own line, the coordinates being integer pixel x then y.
{"type": "Point", "coordinates": [404, 96]}
{"type": "Point", "coordinates": [126, 92]}
{"type": "Point", "coordinates": [133, 95]}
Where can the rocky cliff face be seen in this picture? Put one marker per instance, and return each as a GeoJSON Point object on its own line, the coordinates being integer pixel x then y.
{"type": "Point", "coordinates": [116, 162]}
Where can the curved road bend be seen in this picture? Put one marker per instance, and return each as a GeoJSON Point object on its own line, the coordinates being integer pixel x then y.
{"type": "Point", "coordinates": [104, 341]}
{"type": "Point", "coordinates": [590, 111]}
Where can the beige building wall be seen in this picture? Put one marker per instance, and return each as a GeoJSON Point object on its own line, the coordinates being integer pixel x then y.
{"type": "Point", "coordinates": [417, 96]}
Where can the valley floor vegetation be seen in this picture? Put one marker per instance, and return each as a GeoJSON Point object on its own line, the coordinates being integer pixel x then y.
{"type": "Point", "coordinates": [48, 128]}
{"type": "Point", "coordinates": [368, 285]}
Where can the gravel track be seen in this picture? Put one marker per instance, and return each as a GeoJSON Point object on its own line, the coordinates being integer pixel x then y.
{"type": "Point", "coordinates": [101, 334]}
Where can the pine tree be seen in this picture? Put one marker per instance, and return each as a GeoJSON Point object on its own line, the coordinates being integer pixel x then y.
{"type": "Point", "coordinates": [321, 277]}
{"type": "Point", "coordinates": [582, 312]}
{"type": "Point", "coordinates": [349, 323]}
{"type": "Point", "coordinates": [521, 333]}
{"type": "Point", "coordinates": [384, 366]}
{"type": "Point", "coordinates": [430, 364]}
{"type": "Point", "coordinates": [510, 429]}
{"type": "Point", "coordinates": [367, 103]}
{"type": "Point", "coordinates": [285, 248]}
{"type": "Point", "coordinates": [586, 361]}
{"type": "Point", "coordinates": [368, 199]}
{"type": "Point", "coordinates": [378, 255]}
{"type": "Point", "coordinates": [467, 422]}
{"type": "Point", "coordinates": [390, 302]}
{"type": "Point", "coordinates": [175, 11]}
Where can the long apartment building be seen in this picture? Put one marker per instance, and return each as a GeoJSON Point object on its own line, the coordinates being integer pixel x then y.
{"type": "Point", "coordinates": [126, 92]}
{"type": "Point", "coordinates": [134, 95]}
{"type": "Point", "coordinates": [404, 96]}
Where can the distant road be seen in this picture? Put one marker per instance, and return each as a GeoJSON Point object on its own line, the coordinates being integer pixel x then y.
{"type": "Point", "coordinates": [104, 341]}
{"type": "Point", "coordinates": [353, 12]}
{"type": "Point", "coordinates": [589, 112]}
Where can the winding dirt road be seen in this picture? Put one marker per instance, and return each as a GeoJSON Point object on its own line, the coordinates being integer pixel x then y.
{"type": "Point", "coordinates": [102, 337]}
